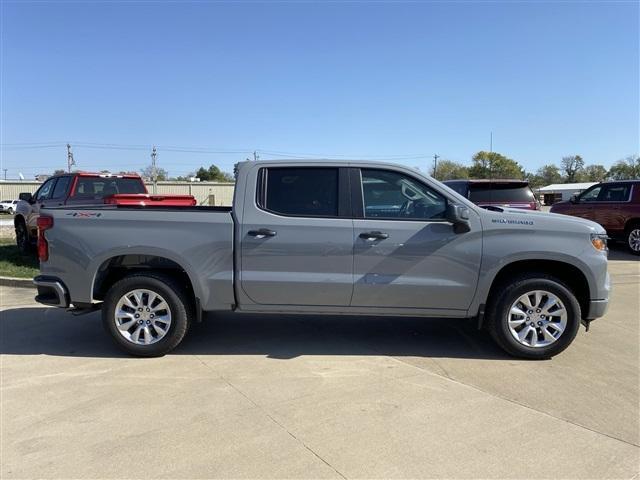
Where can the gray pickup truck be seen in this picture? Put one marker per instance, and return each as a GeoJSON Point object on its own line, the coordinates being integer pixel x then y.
{"type": "Point", "coordinates": [323, 237]}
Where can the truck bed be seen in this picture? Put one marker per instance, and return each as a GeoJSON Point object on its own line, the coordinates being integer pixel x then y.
{"type": "Point", "coordinates": [199, 240]}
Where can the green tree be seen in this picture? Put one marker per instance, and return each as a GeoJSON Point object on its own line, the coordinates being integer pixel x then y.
{"type": "Point", "coordinates": [549, 174]}
{"type": "Point", "coordinates": [593, 173]}
{"type": "Point", "coordinates": [161, 173]}
{"type": "Point", "coordinates": [450, 170]}
{"type": "Point", "coordinates": [627, 169]}
{"type": "Point", "coordinates": [213, 174]}
{"type": "Point", "coordinates": [572, 166]}
{"type": "Point", "coordinates": [494, 165]}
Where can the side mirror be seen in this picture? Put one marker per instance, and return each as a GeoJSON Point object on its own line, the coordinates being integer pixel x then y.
{"type": "Point", "coordinates": [574, 199]}
{"type": "Point", "coordinates": [459, 216]}
{"type": "Point", "coordinates": [25, 196]}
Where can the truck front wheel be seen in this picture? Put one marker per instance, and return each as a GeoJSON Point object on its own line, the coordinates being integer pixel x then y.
{"type": "Point", "coordinates": [147, 315]}
{"type": "Point", "coordinates": [534, 316]}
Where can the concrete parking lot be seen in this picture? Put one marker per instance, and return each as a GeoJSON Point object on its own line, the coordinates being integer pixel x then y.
{"type": "Point", "coordinates": [318, 397]}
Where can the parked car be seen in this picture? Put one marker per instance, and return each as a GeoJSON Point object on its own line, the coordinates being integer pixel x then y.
{"type": "Point", "coordinates": [8, 206]}
{"type": "Point", "coordinates": [501, 193]}
{"type": "Point", "coordinates": [614, 205]}
{"type": "Point", "coordinates": [83, 189]}
{"type": "Point", "coordinates": [326, 238]}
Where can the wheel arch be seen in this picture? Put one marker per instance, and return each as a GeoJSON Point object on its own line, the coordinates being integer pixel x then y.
{"type": "Point", "coordinates": [569, 274]}
{"type": "Point", "coordinates": [630, 223]}
{"type": "Point", "coordinates": [116, 267]}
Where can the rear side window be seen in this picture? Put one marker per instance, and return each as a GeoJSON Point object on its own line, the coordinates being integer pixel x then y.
{"type": "Point", "coordinates": [62, 185]}
{"type": "Point", "coordinates": [500, 193]}
{"type": "Point", "coordinates": [614, 193]}
{"type": "Point", "coordinates": [98, 187]}
{"type": "Point", "coordinates": [309, 192]}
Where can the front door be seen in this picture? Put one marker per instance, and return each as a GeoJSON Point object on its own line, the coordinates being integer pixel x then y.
{"type": "Point", "coordinates": [297, 238]}
{"type": "Point", "coordinates": [41, 199]}
{"type": "Point", "coordinates": [406, 254]}
{"type": "Point", "coordinates": [607, 209]}
{"type": "Point", "coordinates": [584, 207]}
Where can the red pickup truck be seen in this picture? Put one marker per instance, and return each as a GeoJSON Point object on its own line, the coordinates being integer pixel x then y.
{"type": "Point", "coordinates": [82, 188]}
{"type": "Point", "coordinates": [614, 205]}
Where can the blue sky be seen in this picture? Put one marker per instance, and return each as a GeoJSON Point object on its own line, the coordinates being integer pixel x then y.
{"type": "Point", "coordinates": [360, 80]}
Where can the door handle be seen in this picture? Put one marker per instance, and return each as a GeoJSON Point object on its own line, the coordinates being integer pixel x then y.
{"type": "Point", "coordinates": [262, 233]}
{"type": "Point", "coordinates": [374, 235]}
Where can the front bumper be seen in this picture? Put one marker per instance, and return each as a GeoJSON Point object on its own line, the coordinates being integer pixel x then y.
{"type": "Point", "coordinates": [597, 309]}
{"type": "Point", "coordinates": [51, 291]}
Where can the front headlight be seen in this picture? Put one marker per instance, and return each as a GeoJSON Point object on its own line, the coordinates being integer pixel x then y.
{"type": "Point", "coordinates": [599, 241]}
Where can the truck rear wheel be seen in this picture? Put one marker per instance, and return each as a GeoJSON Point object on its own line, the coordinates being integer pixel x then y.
{"type": "Point", "coordinates": [534, 316]}
{"type": "Point", "coordinates": [147, 315]}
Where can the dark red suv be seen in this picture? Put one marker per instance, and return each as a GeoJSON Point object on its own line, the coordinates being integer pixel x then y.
{"type": "Point", "coordinates": [496, 193]}
{"type": "Point", "coordinates": [614, 205]}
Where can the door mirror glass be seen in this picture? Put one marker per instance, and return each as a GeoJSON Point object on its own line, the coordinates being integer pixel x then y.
{"type": "Point", "coordinates": [574, 198]}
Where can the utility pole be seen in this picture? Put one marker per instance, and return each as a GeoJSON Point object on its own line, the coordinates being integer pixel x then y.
{"type": "Point", "coordinates": [5, 174]}
{"type": "Point", "coordinates": [154, 175]}
{"type": "Point", "coordinates": [490, 155]}
{"type": "Point", "coordinates": [256, 157]}
{"type": "Point", "coordinates": [70, 160]}
{"type": "Point", "coordinates": [435, 164]}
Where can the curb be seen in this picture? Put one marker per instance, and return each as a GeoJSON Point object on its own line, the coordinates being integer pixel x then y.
{"type": "Point", "coordinates": [16, 282]}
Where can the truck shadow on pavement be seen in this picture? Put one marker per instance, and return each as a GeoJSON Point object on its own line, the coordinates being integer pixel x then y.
{"type": "Point", "coordinates": [49, 331]}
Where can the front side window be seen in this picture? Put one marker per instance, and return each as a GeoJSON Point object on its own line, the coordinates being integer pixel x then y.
{"type": "Point", "coordinates": [591, 195]}
{"type": "Point", "coordinates": [393, 195]}
{"type": "Point", "coordinates": [304, 191]}
{"type": "Point", "coordinates": [45, 190]}
{"type": "Point", "coordinates": [61, 187]}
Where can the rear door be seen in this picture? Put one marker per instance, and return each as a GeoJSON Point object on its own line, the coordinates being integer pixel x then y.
{"type": "Point", "coordinates": [406, 254]}
{"type": "Point", "coordinates": [296, 237]}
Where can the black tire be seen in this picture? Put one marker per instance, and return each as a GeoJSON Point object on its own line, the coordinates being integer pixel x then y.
{"type": "Point", "coordinates": [508, 292]}
{"type": "Point", "coordinates": [174, 294]}
{"type": "Point", "coordinates": [632, 230]}
{"type": "Point", "coordinates": [10, 211]}
{"type": "Point", "coordinates": [23, 241]}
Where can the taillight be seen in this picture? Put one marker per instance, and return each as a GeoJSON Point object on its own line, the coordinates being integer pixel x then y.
{"type": "Point", "coordinates": [44, 223]}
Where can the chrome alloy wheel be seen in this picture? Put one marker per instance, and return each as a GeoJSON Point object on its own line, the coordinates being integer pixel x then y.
{"type": "Point", "coordinates": [634, 239]}
{"type": "Point", "coordinates": [142, 317]}
{"type": "Point", "coordinates": [537, 319]}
